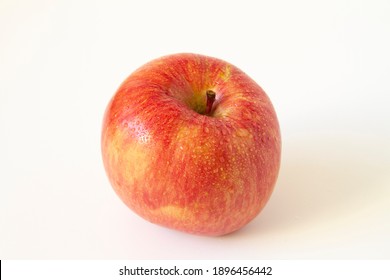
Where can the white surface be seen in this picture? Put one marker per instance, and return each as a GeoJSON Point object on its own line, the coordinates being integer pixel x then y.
{"type": "Point", "coordinates": [325, 65]}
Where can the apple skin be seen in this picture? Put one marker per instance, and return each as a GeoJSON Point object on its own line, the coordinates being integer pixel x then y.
{"type": "Point", "coordinates": [176, 166]}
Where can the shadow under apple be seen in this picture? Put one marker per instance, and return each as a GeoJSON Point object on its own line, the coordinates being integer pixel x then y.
{"type": "Point", "coordinates": [323, 177]}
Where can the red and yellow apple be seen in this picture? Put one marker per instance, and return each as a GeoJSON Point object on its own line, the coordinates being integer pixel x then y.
{"type": "Point", "coordinates": [192, 143]}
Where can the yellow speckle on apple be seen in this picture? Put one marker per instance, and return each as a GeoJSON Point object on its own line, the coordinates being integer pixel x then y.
{"type": "Point", "coordinates": [226, 73]}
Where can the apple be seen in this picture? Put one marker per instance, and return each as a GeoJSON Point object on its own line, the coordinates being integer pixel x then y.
{"type": "Point", "coordinates": [192, 143]}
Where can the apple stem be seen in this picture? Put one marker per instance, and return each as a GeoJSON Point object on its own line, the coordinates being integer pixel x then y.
{"type": "Point", "coordinates": [210, 100]}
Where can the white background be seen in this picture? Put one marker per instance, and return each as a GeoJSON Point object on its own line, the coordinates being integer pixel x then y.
{"type": "Point", "coordinates": [324, 64]}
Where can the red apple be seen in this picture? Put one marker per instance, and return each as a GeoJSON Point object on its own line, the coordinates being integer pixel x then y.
{"type": "Point", "coordinates": [192, 143]}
